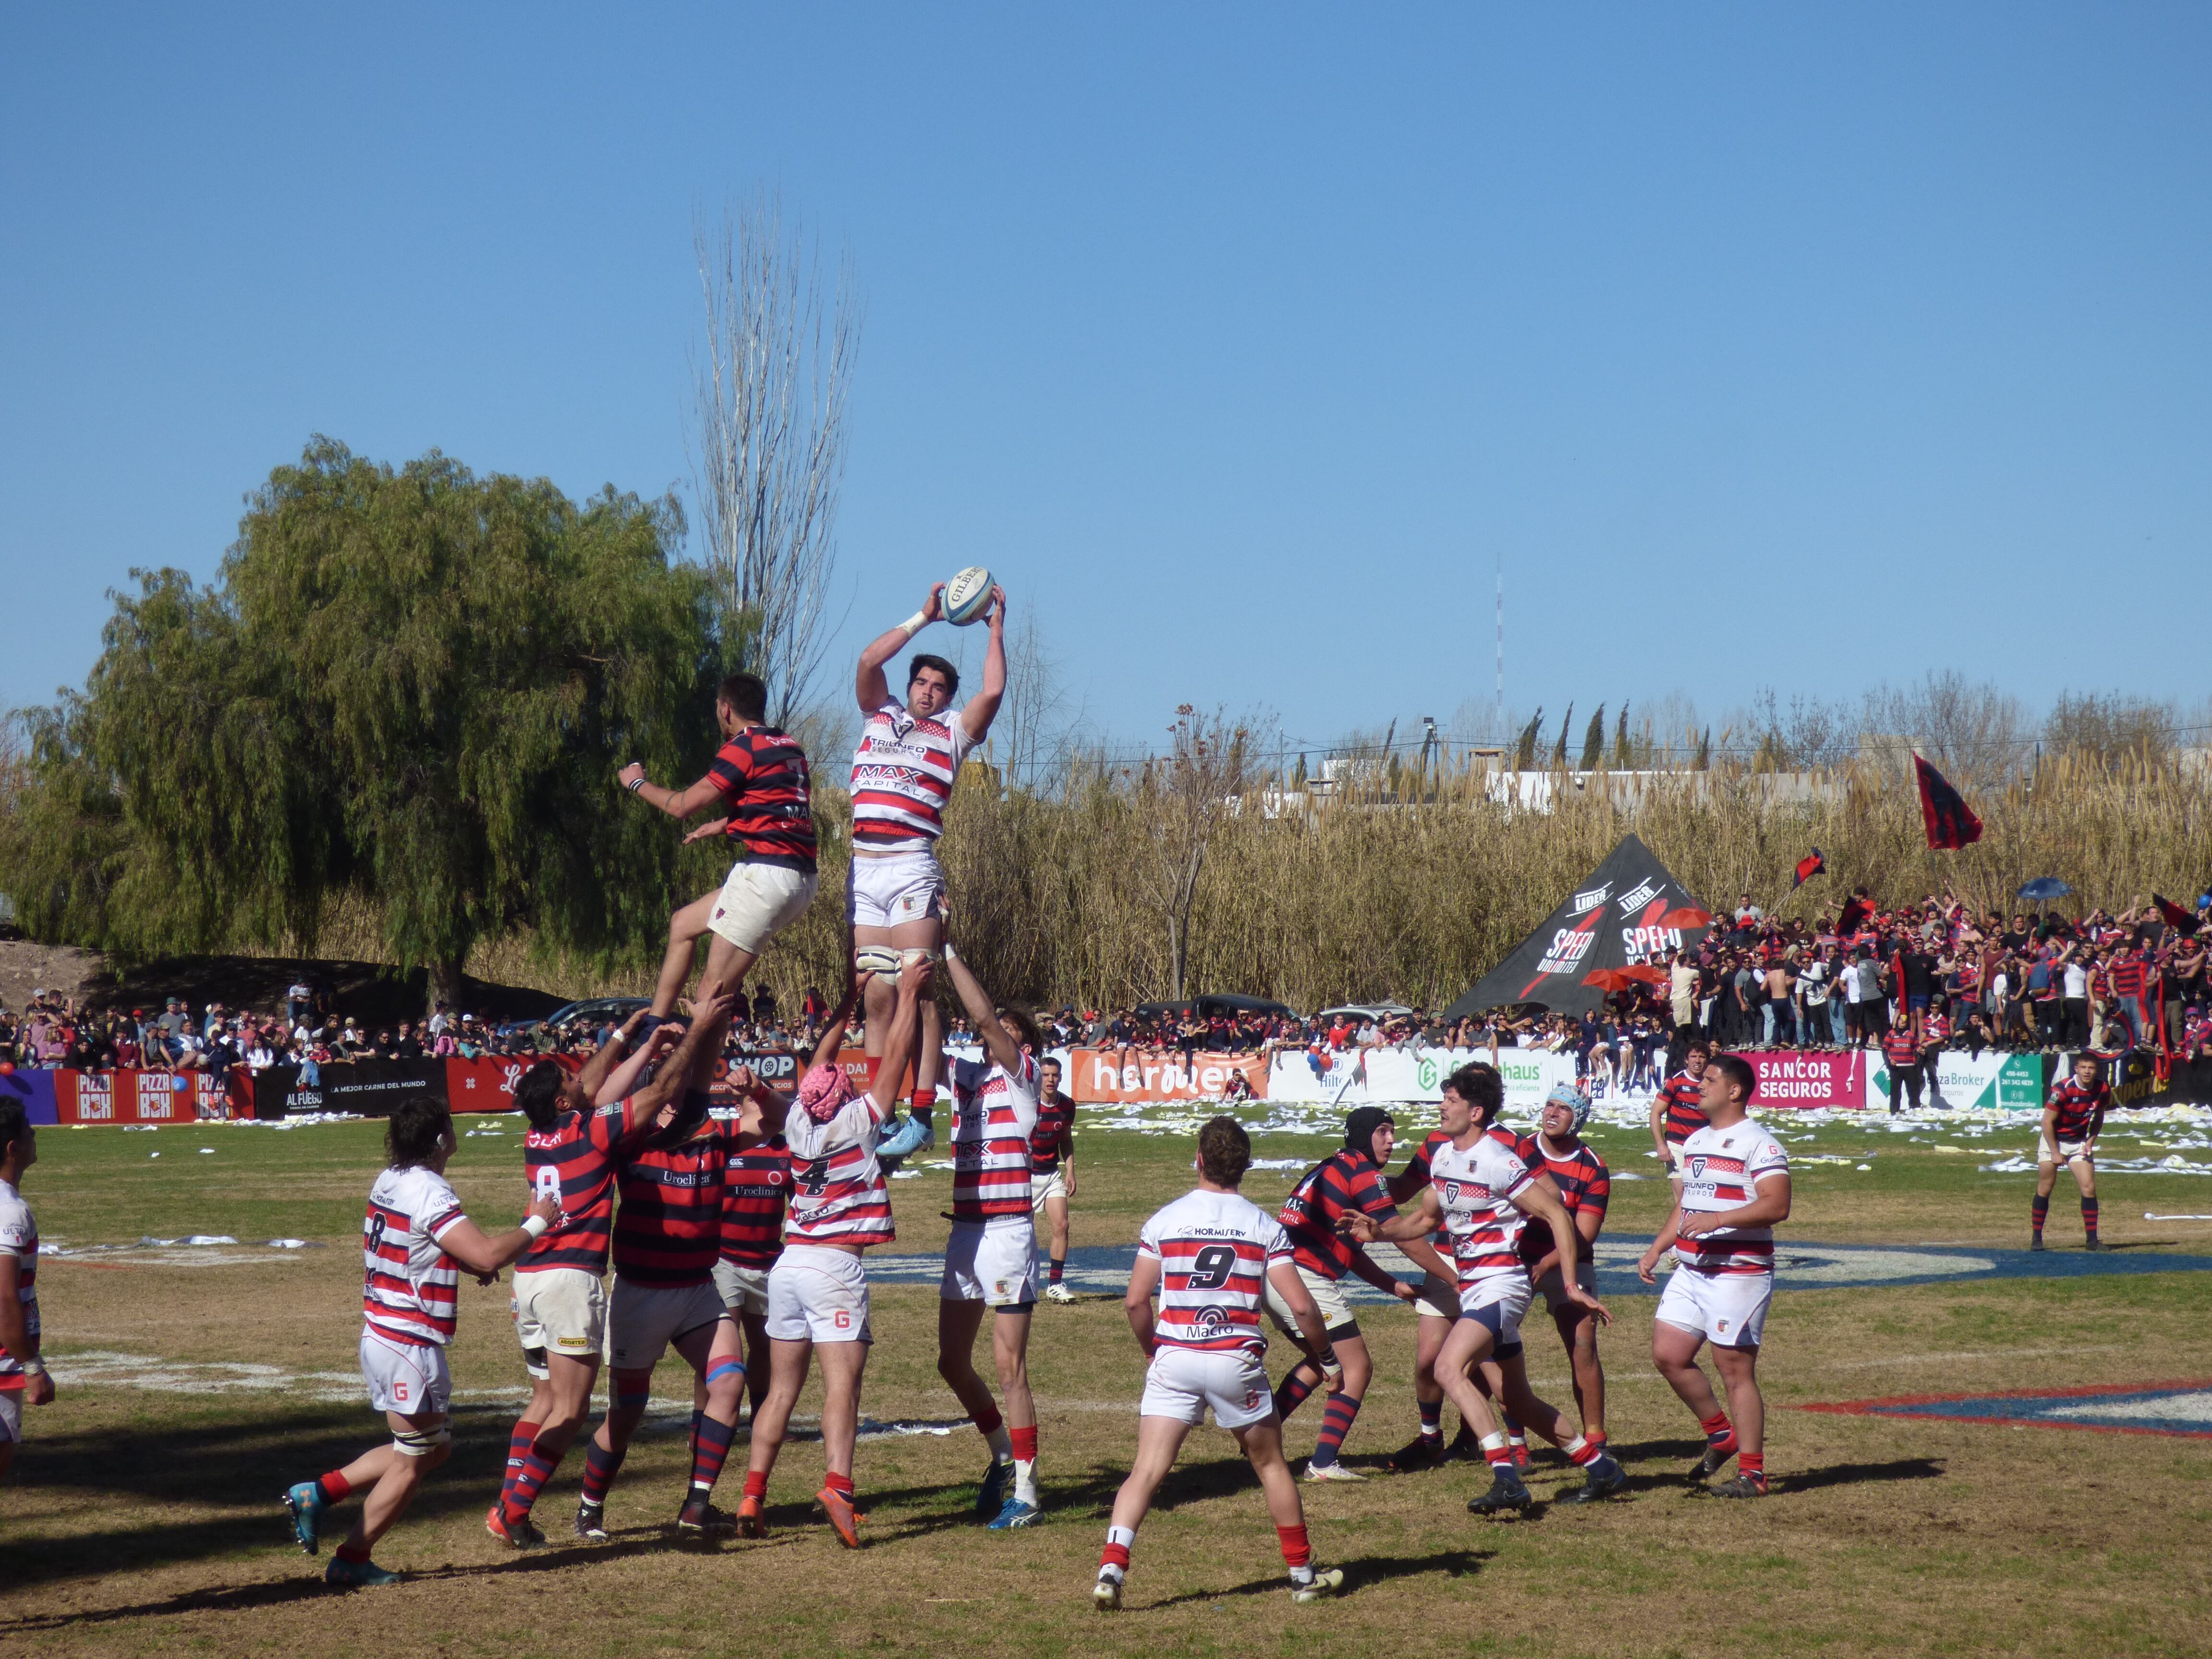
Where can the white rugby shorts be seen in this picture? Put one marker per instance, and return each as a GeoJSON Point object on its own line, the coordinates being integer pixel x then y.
{"type": "Point", "coordinates": [407, 1377]}
{"type": "Point", "coordinates": [1042, 1187]}
{"type": "Point", "coordinates": [560, 1310]}
{"type": "Point", "coordinates": [11, 1416]}
{"type": "Point", "coordinates": [994, 1262]}
{"type": "Point", "coordinates": [889, 889]}
{"type": "Point", "coordinates": [1439, 1298]}
{"type": "Point", "coordinates": [1498, 1301]}
{"type": "Point", "coordinates": [816, 1294]}
{"type": "Point", "coordinates": [742, 1290]}
{"type": "Point", "coordinates": [1553, 1289]}
{"type": "Point", "coordinates": [2067, 1152]}
{"type": "Point", "coordinates": [643, 1320]}
{"type": "Point", "coordinates": [1728, 1309]}
{"type": "Point", "coordinates": [1336, 1315]}
{"type": "Point", "coordinates": [759, 901]}
{"type": "Point", "coordinates": [1181, 1382]}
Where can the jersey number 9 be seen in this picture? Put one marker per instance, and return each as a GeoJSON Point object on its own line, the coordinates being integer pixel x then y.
{"type": "Point", "coordinates": [1211, 1267]}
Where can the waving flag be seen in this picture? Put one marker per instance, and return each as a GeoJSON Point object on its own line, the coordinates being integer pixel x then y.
{"type": "Point", "coordinates": [1807, 867]}
{"type": "Point", "coordinates": [1951, 822]}
{"type": "Point", "coordinates": [2177, 918]}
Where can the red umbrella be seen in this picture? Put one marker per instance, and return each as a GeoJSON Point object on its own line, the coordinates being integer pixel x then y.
{"type": "Point", "coordinates": [1620, 979]}
{"type": "Point", "coordinates": [1688, 916]}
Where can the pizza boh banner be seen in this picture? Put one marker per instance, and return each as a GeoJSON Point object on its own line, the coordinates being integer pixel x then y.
{"type": "Point", "coordinates": [145, 1097]}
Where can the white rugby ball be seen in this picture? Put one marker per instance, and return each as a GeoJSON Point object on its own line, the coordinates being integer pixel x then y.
{"type": "Point", "coordinates": [968, 595]}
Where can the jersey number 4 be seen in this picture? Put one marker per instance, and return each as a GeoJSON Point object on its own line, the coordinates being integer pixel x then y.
{"type": "Point", "coordinates": [1211, 1267]}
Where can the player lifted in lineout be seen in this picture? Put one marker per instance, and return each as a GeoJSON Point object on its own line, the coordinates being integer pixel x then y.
{"type": "Point", "coordinates": [903, 770]}
{"type": "Point", "coordinates": [1212, 1257]}
{"type": "Point", "coordinates": [760, 780]}
{"type": "Point", "coordinates": [1735, 1186]}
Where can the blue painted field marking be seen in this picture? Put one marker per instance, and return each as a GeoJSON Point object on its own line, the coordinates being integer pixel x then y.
{"type": "Point", "coordinates": [2183, 1409]}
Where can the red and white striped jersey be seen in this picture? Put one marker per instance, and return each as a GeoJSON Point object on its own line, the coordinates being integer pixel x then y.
{"type": "Point", "coordinates": [19, 1237]}
{"type": "Point", "coordinates": [1214, 1250]}
{"type": "Point", "coordinates": [903, 774]}
{"type": "Point", "coordinates": [413, 1287]}
{"type": "Point", "coordinates": [838, 1194]}
{"type": "Point", "coordinates": [993, 1116]}
{"type": "Point", "coordinates": [1476, 1188]}
{"type": "Point", "coordinates": [1720, 1169]}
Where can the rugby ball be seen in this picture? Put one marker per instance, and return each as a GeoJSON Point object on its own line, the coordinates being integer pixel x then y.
{"type": "Point", "coordinates": [968, 595]}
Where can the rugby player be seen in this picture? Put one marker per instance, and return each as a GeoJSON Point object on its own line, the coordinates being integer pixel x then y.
{"type": "Point", "coordinates": [991, 1257]}
{"type": "Point", "coordinates": [1347, 1181]}
{"type": "Point", "coordinates": [904, 771]}
{"type": "Point", "coordinates": [1735, 1186]}
{"type": "Point", "coordinates": [757, 1187]}
{"type": "Point", "coordinates": [23, 1376]}
{"type": "Point", "coordinates": [415, 1241]}
{"type": "Point", "coordinates": [1557, 1150]}
{"type": "Point", "coordinates": [1213, 1257]}
{"type": "Point", "coordinates": [760, 780]}
{"type": "Point", "coordinates": [667, 1238]}
{"type": "Point", "coordinates": [580, 1127]}
{"type": "Point", "coordinates": [1052, 1172]}
{"type": "Point", "coordinates": [1438, 1304]}
{"type": "Point", "coordinates": [2072, 1119]}
{"type": "Point", "coordinates": [1676, 1113]}
{"type": "Point", "coordinates": [1478, 1190]}
{"type": "Point", "coordinates": [817, 1291]}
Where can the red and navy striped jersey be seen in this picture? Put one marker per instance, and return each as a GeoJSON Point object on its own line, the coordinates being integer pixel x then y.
{"type": "Point", "coordinates": [2077, 1107]}
{"type": "Point", "coordinates": [1721, 1170]}
{"type": "Point", "coordinates": [19, 1237]}
{"type": "Point", "coordinates": [763, 777]}
{"type": "Point", "coordinates": [2128, 973]}
{"type": "Point", "coordinates": [1475, 1187]}
{"type": "Point", "coordinates": [903, 775]}
{"type": "Point", "coordinates": [994, 1117]}
{"type": "Point", "coordinates": [756, 1184]}
{"type": "Point", "coordinates": [574, 1162]}
{"type": "Point", "coordinates": [411, 1288]}
{"type": "Point", "coordinates": [1055, 1134]}
{"type": "Point", "coordinates": [1346, 1182]}
{"type": "Point", "coordinates": [1684, 1117]}
{"type": "Point", "coordinates": [838, 1194]}
{"type": "Point", "coordinates": [669, 1229]}
{"type": "Point", "coordinates": [1935, 1030]}
{"type": "Point", "coordinates": [1214, 1250]}
{"type": "Point", "coordinates": [1899, 1048]}
{"type": "Point", "coordinates": [1584, 1185]}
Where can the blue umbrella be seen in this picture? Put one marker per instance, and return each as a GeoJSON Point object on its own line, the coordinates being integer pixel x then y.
{"type": "Point", "coordinates": [2045, 887]}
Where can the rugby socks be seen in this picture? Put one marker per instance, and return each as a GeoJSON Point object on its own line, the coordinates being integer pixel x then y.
{"type": "Point", "coordinates": [2042, 1211]}
{"type": "Point", "coordinates": [993, 1428]}
{"type": "Point", "coordinates": [600, 1467]}
{"type": "Point", "coordinates": [1059, 1268]}
{"type": "Point", "coordinates": [840, 1484]}
{"type": "Point", "coordinates": [1433, 1419]}
{"type": "Point", "coordinates": [334, 1486]}
{"type": "Point", "coordinates": [1336, 1421]}
{"type": "Point", "coordinates": [1720, 1433]}
{"type": "Point", "coordinates": [756, 1484]}
{"type": "Point", "coordinates": [924, 1103]}
{"type": "Point", "coordinates": [1496, 1453]}
{"type": "Point", "coordinates": [1752, 1465]}
{"type": "Point", "coordinates": [526, 1482]}
{"type": "Point", "coordinates": [519, 1439]}
{"type": "Point", "coordinates": [356, 1553]}
{"type": "Point", "coordinates": [1291, 1393]}
{"type": "Point", "coordinates": [1584, 1450]}
{"type": "Point", "coordinates": [1026, 1460]}
{"type": "Point", "coordinates": [1297, 1553]}
{"type": "Point", "coordinates": [1516, 1441]}
{"type": "Point", "coordinates": [1114, 1559]}
{"type": "Point", "coordinates": [710, 1449]}
{"type": "Point", "coordinates": [2089, 1219]}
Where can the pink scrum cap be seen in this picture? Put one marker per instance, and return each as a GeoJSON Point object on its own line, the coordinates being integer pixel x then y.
{"type": "Point", "coordinates": [824, 1090]}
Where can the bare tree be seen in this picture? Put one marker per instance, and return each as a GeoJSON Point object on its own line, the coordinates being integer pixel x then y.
{"type": "Point", "coordinates": [773, 385]}
{"type": "Point", "coordinates": [1182, 797]}
{"type": "Point", "coordinates": [1971, 730]}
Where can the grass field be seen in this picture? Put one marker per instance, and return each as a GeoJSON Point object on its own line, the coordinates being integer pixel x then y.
{"type": "Point", "coordinates": [142, 1514]}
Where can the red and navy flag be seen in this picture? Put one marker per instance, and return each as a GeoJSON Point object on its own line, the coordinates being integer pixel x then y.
{"type": "Point", "coordinates": [2177, 918]}
{"type": "Point", "coordinates": [1856, 911]}
{"type": "Point", "coordinates": [1951, 822]}
{"type": "Point", "coordinates": [1809, 867]}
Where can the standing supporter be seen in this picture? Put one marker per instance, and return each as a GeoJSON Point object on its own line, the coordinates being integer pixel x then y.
{"type": "Point", "coordinates": [1052, 1172]}
{"type": "Point", "coordinates": [2072, 1118]}
{"type": "Point", "coordinates": [760, 780]}
{"type": "Point", "coordinates": [1557, 1150]}
{"type": "Point", "coordinates": [1722, 1232]}
{"type": "Point", "coordinates": [1212, 1257]}
{"type": "Point", "coordinates": [991, 1254]}
{"type": "Point", "coordinates": [414, 1243]}
{"type": "Point", "coordinates": [817, 1291]}
{"type": "Point", "coordinates": [1900, 1049]}
{"type": "Point", "coordinates": [23, 1377]}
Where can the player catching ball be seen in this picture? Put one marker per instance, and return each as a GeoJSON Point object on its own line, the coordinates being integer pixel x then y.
{"type": "Point", "coordinates": [904, 771]}
{"type": "Point", "coordinates": [2071, 1119]}
{"type": "Point", "coordinates": [817, 1291]}
{"type": "Point", "coordinates": [760, 780]}
{"type": "Point", "coordinates": [1212, 1257]}
{"type": "Point", "coordinates": [1735, 1186]}
{"type": "Point", "coordinates": [1052, 1172]}
{"type": "Point", "coordinates": [414, 1242]}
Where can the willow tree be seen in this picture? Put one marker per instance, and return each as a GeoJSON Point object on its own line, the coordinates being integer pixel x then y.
{"type": "Point", "coordinates": [412, 686]}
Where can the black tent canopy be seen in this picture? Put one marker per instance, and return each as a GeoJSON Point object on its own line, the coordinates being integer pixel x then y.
{"type": "Point", "coordinates": [1615, 919]}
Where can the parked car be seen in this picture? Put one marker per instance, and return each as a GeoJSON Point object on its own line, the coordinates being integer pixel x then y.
{"type": "Point", "coordinates": [592, 1012]}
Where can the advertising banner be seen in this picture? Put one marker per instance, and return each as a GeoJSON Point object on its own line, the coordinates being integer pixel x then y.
{"type": "Point", "coordinates": [143, 1097]}
{"type": "Point", "coordinates": [2014, 1082]}
{"type": "Point", "coordinates": [1101, 1077]}
{"type": "Point", "coordinates": [1800, 1078]}
{"type": "Point", "coordinates": [35, 1091]}
{"type": "Point", "coordinates": [1374, 1077]}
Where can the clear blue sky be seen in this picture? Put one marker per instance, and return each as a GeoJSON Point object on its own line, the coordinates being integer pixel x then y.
{"type": "Point", "coordinates": [1763, 344]}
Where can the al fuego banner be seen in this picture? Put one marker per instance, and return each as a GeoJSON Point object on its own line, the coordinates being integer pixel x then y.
{"type": "Point", "coordinates": [1626, 915]}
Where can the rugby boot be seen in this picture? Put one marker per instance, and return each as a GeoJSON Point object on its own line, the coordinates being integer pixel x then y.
{"type": "Point", "coordinates": [521, 1532]}
{"type": "Point", "coordinates": [1422, 1452]}
{"type": "Point", "coordinates": [1015, 1515]}
{"type": "Point", "coordinates": [752, 1519]}
{"type": "Point", "coordinates": [998, 1485]}
{"type": "Point", "coordinates": [1057, 1293]}
{"type": "Point", "coordinates": [1331, 1472]}
{"type": "Point", "coordinates": [1466, 1447]}
{"type": "Point", "coordinates": [305, 1503]}
{"type": "Point", "coordinates": [1106, 1593]}
{"type": "Point", "coordinates": [2035, 1242]}
{"type": "Point", "coordinates": [592, 1522]}
{"type": "Point", "coordinates": [1740, 1486]}
{"type": "Point", "coordinates": [1325, 1582]}
{"type": "Point", "coordinates": [2094, 1244]}
{"type": "Point", "coordinates": [1506, 1496]}
{"type": "Point", "coordinates": [842, 1520]}
{"type": "Point", "coordinates": [699, 1516]}
{"type": "Point", "coordinates": [1603, 1478]}
{"type": "Point", "coordinates": [1717, 1452]}
{"type": "Point", "coordinates": [357, 1575]}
